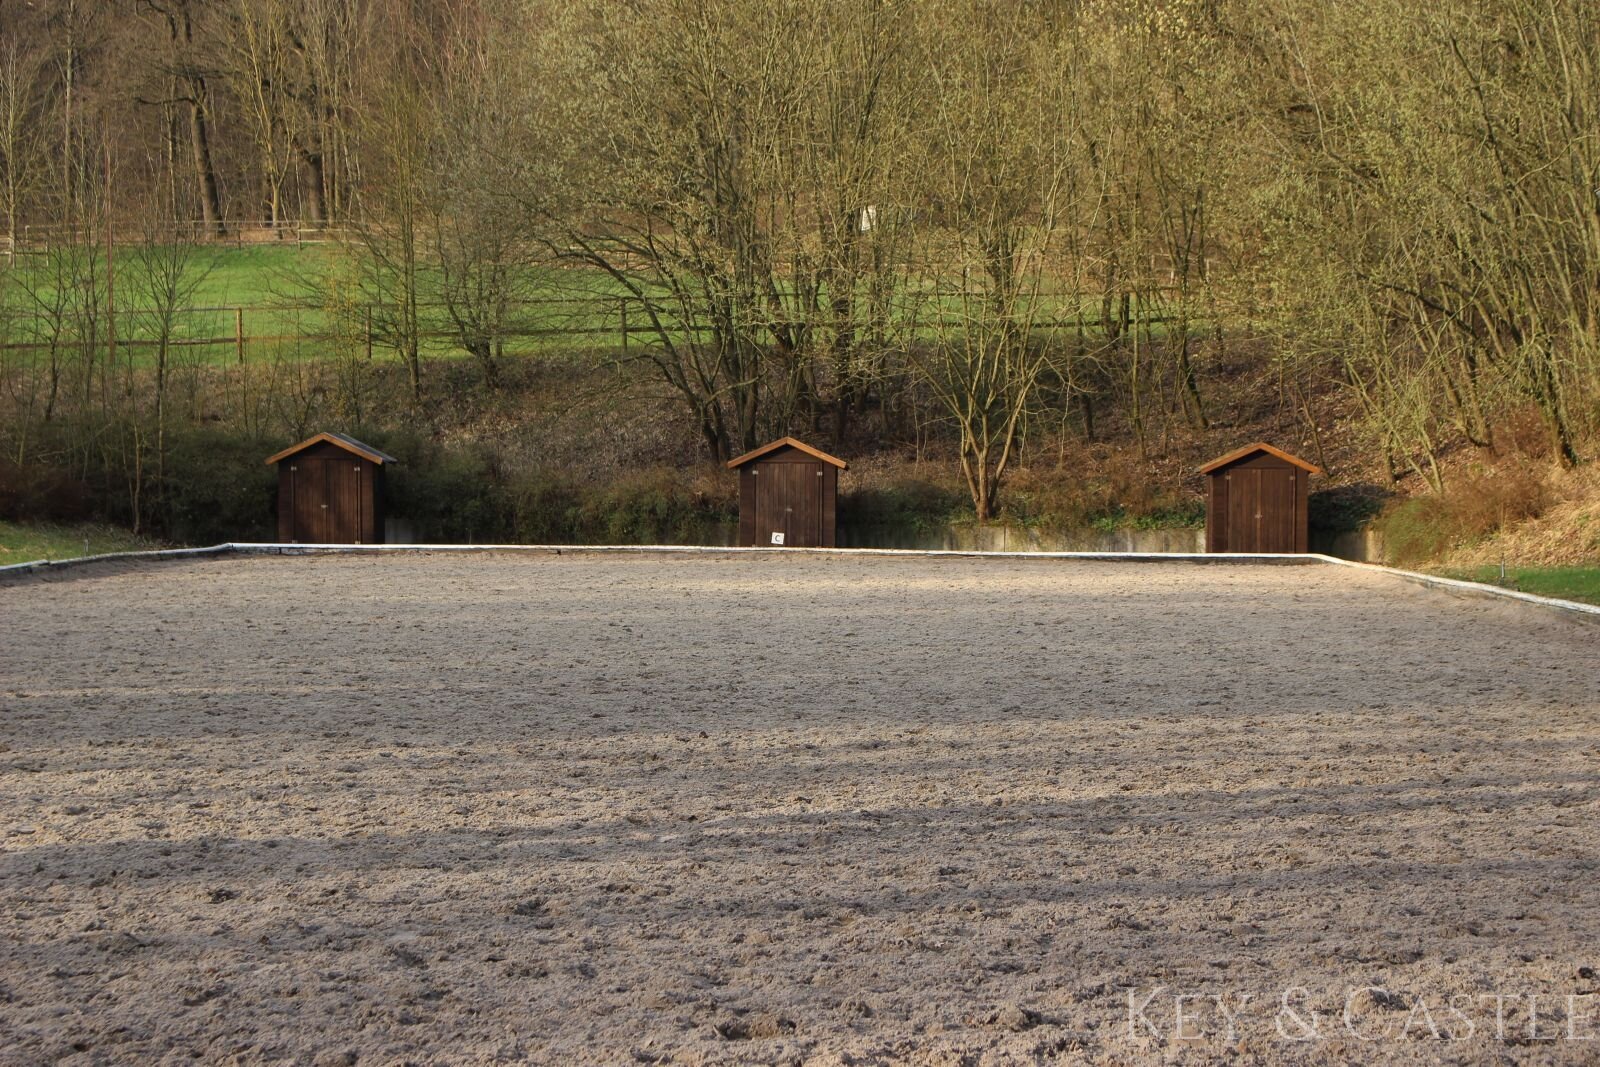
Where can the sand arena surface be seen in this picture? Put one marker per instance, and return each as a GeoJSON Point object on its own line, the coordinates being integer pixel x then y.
{"type": "Point", "coordinates": [461, 808]}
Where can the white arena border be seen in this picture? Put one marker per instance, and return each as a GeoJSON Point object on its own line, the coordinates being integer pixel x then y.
{"type": "Point", "coordinates": [251, 548]}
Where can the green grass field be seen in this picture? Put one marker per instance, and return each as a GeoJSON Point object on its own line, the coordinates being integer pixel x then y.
{"type": "Point", "coordinates": [26, 542]}
{"type": "Point", "coordinates": [1565, 583]}
{"type": "Point", "coordinates": [282, 298]}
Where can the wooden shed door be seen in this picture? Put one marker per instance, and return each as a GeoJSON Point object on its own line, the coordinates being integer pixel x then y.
{"type": "Point", "coordinates": [344, 500]}
{"type": "Point", "coordinates": [805, 504]}
{"type": "Point", "coordinates": [310, 501]}
{"type": "Point", "coordinates": [1261, 510]}
{"type": "Point", "coordinates": [1277, 511]}
{"type": "Point", "coordinates": [328, 504]}
{"type": "Point", "coordinates": [789, 502]}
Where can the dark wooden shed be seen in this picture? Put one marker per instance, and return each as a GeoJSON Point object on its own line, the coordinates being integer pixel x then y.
{"type": "Point", "coordinates": [330, 491]}
{"type": "Point", "coordinates": [1256, 500]}
{"type": "Point", "coordinates": [788, 495]}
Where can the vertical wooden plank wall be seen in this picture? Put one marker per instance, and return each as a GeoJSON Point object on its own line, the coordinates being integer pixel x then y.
{"type": "Point", "coordinates": [830, 505]}
{"type": "Point", "coordinates": [747, 505]}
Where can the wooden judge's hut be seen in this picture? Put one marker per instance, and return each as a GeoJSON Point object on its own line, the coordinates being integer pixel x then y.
{"type": "Point", "coordinates": [1256, 500]}
{"type": "Point", "coordinates": [788, 495]}
{"type": "Point", "coordinates": [330, 491]}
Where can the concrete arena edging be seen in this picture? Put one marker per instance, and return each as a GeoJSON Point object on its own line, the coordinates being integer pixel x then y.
{"type": "Point", "coordinates": [252, 548]}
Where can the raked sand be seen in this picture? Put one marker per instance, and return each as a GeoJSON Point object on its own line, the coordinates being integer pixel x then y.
{"type": "Point", "coordinates": [785, 808]}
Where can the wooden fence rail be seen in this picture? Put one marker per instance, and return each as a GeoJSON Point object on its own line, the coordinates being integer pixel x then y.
{"type": "Point", "coordinates": [613, 312]}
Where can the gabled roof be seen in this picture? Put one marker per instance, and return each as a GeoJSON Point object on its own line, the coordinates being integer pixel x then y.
{"type": "Point", "coordinates": [339, 440]}
{"type": "Point", "coordinates": [787, 442]}
{"type": "Point", "coordinates": [1259, 446]}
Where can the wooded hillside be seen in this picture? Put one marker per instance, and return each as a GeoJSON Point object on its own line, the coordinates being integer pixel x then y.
{"type": "Point", "coordinates": [990, 232]}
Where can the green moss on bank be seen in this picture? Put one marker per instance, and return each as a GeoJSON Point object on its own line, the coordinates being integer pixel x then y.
{"type": "Point", "coordinates": [26, 542]}
{"type": "Point", "coordinates": [1564, 583]}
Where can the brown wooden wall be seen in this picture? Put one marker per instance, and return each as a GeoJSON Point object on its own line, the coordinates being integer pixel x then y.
{"type": "Point", "coordinates": [327, 495]}
{"type": "Point", "coordinates": [791, 493]}
{"type": "Point", "coordinates": [1257, 505]}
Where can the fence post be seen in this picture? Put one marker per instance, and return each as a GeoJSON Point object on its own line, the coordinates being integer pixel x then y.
{"type": "Point", "coordinates": [369, 332]}
{"type": "Point", "coordinates": [238, 333]}
{"type": "Point", "coordinates": [623, 304]}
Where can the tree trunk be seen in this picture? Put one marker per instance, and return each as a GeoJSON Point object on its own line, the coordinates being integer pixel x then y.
{"type": "Point", "coordinates": [205, 171]}
{"type": "Point", "coordinates": [1553, 406]}
{"type": "Point", "coordinates": [1193, 407]}
{"type": "Point", "coordinates": [986, 493]}
{"type": "Point", "coordinates": [483, 350]}
{"type": "Point", "coordinates": [715, 438]}
{"type": "Point", "coordinates": [316, 200]}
